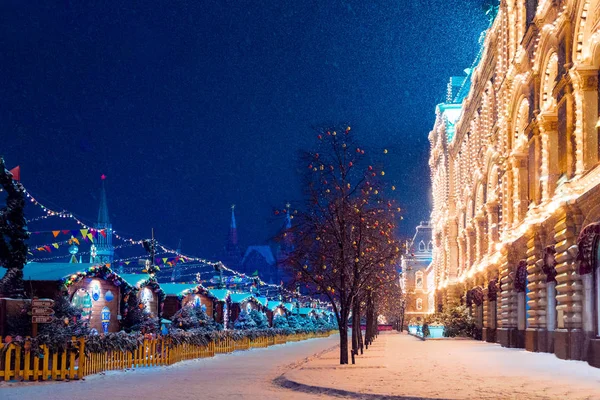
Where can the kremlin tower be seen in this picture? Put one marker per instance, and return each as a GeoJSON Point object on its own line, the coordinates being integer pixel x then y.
{"type": "Point", "coordinates": [104, 247]}
{"type": "Point", "coordinates": [232, 255]}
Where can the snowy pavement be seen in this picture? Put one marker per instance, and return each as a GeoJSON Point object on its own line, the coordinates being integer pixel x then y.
{"type": "Point", "coordinates": [238, 375]}
{"type": "Point", "coordinates": [396, 367]}
{"type": "Point", "coordinates": [402, 367]}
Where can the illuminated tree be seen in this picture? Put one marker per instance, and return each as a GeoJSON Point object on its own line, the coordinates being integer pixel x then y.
{"type": "Point", "coordinates": [13, 235]}
{"type": "Point", "coordinates": [344, 235]}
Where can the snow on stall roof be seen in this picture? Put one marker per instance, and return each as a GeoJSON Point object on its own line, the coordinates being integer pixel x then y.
{"type": "Point", "coordinates": [263, 300]}
{"type": "Point", "coordinates": [289, 306]}
{"type": "Point", "coordinates": [272, 306]}
{"type": "Point", "coordinates": [240, 297]}
{"type": "Point", "coordinates": [306, 310]}
{"type": "Point", "coordinates": [35, 271]}
{"type": "Point", "coordinates": [135, 279]}
{"type": "Point", "coordinates": [177, 289]}
{"type": "Point", "coordinates": [220, 294]}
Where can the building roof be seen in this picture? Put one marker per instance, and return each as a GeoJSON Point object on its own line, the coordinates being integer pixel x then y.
{"type": "Point", "coordinates": [220, 294]}
{"type": "Point", "coordinates": [36, 271]}
{"type": "Point", "coordinates": [178, 289]}
{"type": "Point", "coordinates": [240, 297]}
{"type": "Point", "coordinates": [263, 300]}
{"type": "Point", "coordinates": [135, 279]}
{"type": "Point", "coordinates": [289, 306]}
{"type": "Point", "coordinates": [275, 304]}
{"type": "Point", "coordinates": [264, 251]}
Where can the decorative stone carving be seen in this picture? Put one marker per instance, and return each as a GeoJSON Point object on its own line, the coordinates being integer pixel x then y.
{"type": "Point", "coordinates": [493, 290]}
{"type": "Point", "coordinates": [477, 295]}
{"type": "Point", "coordinates": [520, 282]}
{"type": "Point", "coordinates": [586, 244]}
{"type": "Point", "coordinates": [549, 264]}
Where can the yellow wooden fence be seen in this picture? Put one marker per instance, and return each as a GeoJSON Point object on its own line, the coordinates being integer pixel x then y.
{"type": "Point", "coordinates": [21, 364]}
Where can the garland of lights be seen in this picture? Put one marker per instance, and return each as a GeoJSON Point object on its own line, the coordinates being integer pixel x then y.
{"type": "Point", "coordinates": [185, 258]}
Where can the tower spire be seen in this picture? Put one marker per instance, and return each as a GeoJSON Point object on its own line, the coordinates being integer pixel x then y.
{"type": "Point", "coordinates": [103, 210]}
{"type": "Point", "coordinates": [233, 239]}
{"type": "Point", "coordinates": [232, 255]}
{"type": "Point", "coordinates": [104, 247]}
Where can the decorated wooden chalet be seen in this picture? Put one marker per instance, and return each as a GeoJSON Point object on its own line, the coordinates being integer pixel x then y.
{"type": "Point", "coordinates": [222, 305]}
{"type": "Point", "coordinates": [149, 292]}
{"type": "Point", "coordinates": [179, 295]}
{"type": "Point", "coordinates": [275, 309]}
{"type": "Point", "coordinates": [246, 302]}
{"type": "Point", "coordinates": [95, 289]}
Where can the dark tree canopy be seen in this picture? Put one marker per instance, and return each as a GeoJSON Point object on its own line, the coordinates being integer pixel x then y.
{"type": "Point", "coordinates": [13, 235]}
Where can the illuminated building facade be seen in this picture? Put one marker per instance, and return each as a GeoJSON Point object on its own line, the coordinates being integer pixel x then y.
{"type": "Point", "coordinates": [516, 181]}
{"type": "Point", "coordinates": [417, 275]}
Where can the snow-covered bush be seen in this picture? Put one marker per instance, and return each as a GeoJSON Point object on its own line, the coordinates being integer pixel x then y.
{"type": "Point", "coordinates": [260, 319]}
{"type": "Point", "coordinates": [190, 317]}
{"type": "Point", "coordinates": [280, 322]}
{"type": "Point", "coordinates": [457, 321]}
{"type": "Point", "coordinates": [244, 321]}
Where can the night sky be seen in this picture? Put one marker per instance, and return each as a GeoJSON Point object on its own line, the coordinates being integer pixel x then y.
{"type": "Point", "coordinates": [190, 106]}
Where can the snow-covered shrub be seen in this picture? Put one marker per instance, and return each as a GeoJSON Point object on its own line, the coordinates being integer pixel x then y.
{"type": "Point", "coordinates": [244, 321]}
{"type": "Point", "coordinates": [190, 317]}
{"type": "Point", "coordinates": [260, 319]}
{"type": "Point", "coordinates": [457, 321]}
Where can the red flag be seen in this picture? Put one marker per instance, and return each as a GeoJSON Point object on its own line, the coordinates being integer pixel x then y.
{"type": "Point", "coordinates": [103, 232]}
{"type": "Point", "coordinates": [16, 173]}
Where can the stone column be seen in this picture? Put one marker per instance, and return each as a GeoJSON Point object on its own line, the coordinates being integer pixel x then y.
{"type": "Point", "coordinates": [461, 255]}
{"type": "Point", "coordinates": [586, 97]}
{"type": "Point", "coordinates": [548, 128]}
{"type": "Point", "coordinates": [453, 259]}
{"type": "Point", "coordinates": [520, 195]}
{"type": "Point", "coordinates": [480, 235]}
{"type": "Point", "coordinates": [470, 245]}
{"type": "Point", "coordinates": [535, 333]}
{"type": "Point", "coordinates": [504, 303]}
{"type": "Point", "coordinates": [568, 338]}
{"type": "Point", "coordinates": [493, 229]}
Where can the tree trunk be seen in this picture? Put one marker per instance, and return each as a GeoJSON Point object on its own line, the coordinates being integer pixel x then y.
{"type": "Point", "coordinates": [360, 339]}
{"type": "Point", "coordinates": [355, 328]}
{"type": "Point", "coordinates": [344, 340]}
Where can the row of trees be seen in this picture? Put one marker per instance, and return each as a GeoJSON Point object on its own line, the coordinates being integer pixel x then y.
{"type": "Point", "coordinates": [191, 318]}
{"type": "Point", "coordinates": [346, 248]}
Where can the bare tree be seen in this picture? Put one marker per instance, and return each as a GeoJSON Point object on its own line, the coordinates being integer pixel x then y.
{"type": "Point", "coordinates": [344, 235]}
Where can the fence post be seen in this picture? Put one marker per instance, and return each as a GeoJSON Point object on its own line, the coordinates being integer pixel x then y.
{"type": "Point", "coordinates": [81, 367]}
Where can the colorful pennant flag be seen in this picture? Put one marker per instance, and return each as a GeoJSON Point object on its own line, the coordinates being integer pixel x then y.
{"type": "Point", "coordinates": [55, 233]}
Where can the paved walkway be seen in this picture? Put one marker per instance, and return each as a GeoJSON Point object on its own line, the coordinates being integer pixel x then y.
{"type": "Point", "coordinates": [396, 367]}
{"type": "Point", "coordinates": [238, 375]}
{"type": "Point", "coordinates": [399, 366]}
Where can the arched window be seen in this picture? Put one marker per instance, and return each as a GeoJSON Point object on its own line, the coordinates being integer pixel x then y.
{"type": "Point", "coordinates": [81, 299]}
{"type": "Point", "coordinates": [430, 245]}
{"type": "Point", "coordinates": [419, 304]}
{"type": "Point", "coordinates": [419, 279]}
{"type": "Point", "coordinates": [422, 246]}
{"type": "Point", "coordinates": [548, 83]}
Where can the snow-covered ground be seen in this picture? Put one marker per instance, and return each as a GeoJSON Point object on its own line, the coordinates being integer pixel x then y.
{"type": "Point", "coordinates": [406, 367]}
{"type": "Point", "coordinates": [239, 375]}
{"type": "Point", "coordinates": [397, 366]}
